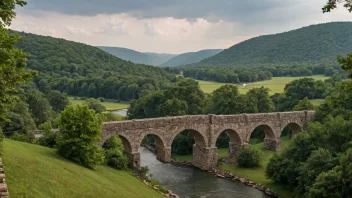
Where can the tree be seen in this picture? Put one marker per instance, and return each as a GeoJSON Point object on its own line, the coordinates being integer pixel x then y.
{"type": "Point", "coordinates": [39, 106]}
{"type": "Point", "coordinates": [80, 131]}
{"type": "Point", "coordinates": [332, 4]}
{"type": "Point", "coordinates": [227, 100]}
{"type": "Point", "coordinates": [57, 100]}
{"type": "Point", "coordinates": [301, 88]}
{"type": "Point", "coordinates": [304, 104]}
{"type": "Point", "coordinates": [114, 156]}
{"type": "Point", "coordinates": [12, 60]}
{"type": "Point", "coordinates": [259, 101]}
{"type": "Point", "coordinates": [249, 157]}
{"type": "Point", "coordinates": [95, 105]}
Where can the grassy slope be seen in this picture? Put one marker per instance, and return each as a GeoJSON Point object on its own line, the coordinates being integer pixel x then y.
{"type": "Point", "coordinates": [276, 84]}
{"type": "Point", "coordinates": [35, 171]}
{"type": "Point", "coordinates": [257, 174]}
{"type": "Point", "coordinates": [317, 102]}
{"type": "Point", "coordinates": [110, 106]}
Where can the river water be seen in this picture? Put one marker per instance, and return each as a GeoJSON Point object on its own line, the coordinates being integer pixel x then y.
{"type": "Point", "coordinates": [189, 182]}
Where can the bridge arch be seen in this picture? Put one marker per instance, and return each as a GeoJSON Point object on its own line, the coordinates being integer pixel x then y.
{"type": "Point", "coordinates": [271, 141]}
{"type": "Point", "coordinates": [295, 128]}
{"type": "Point", "coordinates": [199, 138]}
{"type": "Point", "coordinates": [235, 141]}
{"type": "Point", "coordinates": [162, 152]}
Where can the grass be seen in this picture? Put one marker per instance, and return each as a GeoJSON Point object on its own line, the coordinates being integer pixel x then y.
{"type": "Point", "coordinates": [317, 102]}
{"type": "Point", "coordinates": [109, 105]}
{"type": "Point", "coordinates": [35, 171]}
{"type": "Point", "coordinates": [276, 84]}
{"type": "Point", "coordinates": [257, 174]}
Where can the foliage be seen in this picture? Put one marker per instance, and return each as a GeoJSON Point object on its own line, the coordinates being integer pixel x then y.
{"type": "Point", "coordinates": [82, 70]}
{"type": "Point", "coordinates": [259, 101]}
{"type": "Point", "coordinates": [310, 45]}
{"type": "Point", "coordinates": [108, 116]}
{"type": "Point", "coordinates": [304, 104]}
{"type": "Point", "coordinates": [95, 105]}
{"type": "Point", "coordinates": [113, 143]}
{"type": "Point", "coordinates": [185, 97]}
{"type": "Point", "coordinates": [49, 138]}
{"type": "Point", "coordinates": [18, 118]}
{"type": "Point", "coordinates": [332, 4]}
{"type": "Point", "coordinates": [115, 158]}
{"type": "Point", "coordinates": [39, 106]}
{"type": "Point", "coordinates": [311, 154]}
{"type": "Point", "coordinates": [227, 100]}
{"type": "Point", "coordinates": [59, 101]}
{"type": "Point", "coordinates": [183, 143]}
{"type": "Point", "coordinates": [305, 87]}
{"type": "Point", "coordinates": [19, 137]}
{"type": "Point", "coordinates": [249, 157]}
{"type": "Point", "coordinates": [80, 131]}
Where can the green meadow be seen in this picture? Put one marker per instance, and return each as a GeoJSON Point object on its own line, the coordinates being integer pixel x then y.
{"type": "Point", "coordinates": [109, 104]}
{"type": "Point", "coordinates": [276, 84]}
{"type": "Point", "coordinates": [36, 171]}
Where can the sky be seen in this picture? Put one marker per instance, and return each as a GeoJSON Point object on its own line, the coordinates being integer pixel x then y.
{"type": "Point", "coordinates": [169, 26]}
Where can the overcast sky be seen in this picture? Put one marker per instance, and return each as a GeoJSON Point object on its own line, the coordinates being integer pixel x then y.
{"type": "Point", "coordinates": [169, 26]}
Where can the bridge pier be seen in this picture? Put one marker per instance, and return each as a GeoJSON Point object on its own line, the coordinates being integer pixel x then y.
{"type": "Point", "coordinates": [272, 144]}
{"type": "Point", "coordinates": [205, 157]}
{"type": "Point", "coordinates": [134, 159]}
{"type": "Point", "coordinates": [163, 154]}
{"type": "Point", "coordinates": [234, 148]}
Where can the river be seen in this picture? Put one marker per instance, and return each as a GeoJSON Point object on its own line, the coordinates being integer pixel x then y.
{"type": "Point", "coordinates": [189, 182]}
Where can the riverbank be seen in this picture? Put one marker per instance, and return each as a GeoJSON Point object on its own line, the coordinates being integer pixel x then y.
{"type": "Point", "coordinates": [256, 175]}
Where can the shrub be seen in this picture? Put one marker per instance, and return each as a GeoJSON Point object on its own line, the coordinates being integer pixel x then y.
{"type": "Point", "coordinates": [249, 157]}
{"type": "Point", "coordinates": [19, 137]}
{"type": "Point", "coordinates": [116, 159]}
{"type": "Point", "coordinates": [113, 143]}
{"type": "Point", "coordinates": [80, 131]}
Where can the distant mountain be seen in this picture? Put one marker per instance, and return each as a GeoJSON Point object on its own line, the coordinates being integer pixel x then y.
{"type": "Point", "coordinates": [138, 57]}
{"type": "Point", "coordinates": [190, 57]}
{"type": "Point", "coordinates": [314, 44]}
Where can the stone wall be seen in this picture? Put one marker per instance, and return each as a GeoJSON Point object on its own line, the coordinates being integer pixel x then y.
{"type": "Point", "coordinates": [3, 187]}
{"type": "Point", "coordinates": [205, 129]}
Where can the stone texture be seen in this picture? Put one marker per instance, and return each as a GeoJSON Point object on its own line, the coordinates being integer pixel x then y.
{"type": "Point", "coordinates": [205, 129]}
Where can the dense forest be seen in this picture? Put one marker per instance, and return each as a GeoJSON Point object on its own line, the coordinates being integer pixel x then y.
{"type": "Point", "coordinates": [83, 70]}
{"type": "Point", "coordinates": [190, 57]}
{"type": "Point", "coordinates": [315, 44]}
{"type": "Point", "coordinates": [253, 74]}
{"type": "Point", "coordinates": [138, 57]}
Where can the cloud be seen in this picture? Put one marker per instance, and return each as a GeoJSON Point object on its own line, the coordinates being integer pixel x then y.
{"type": "Point", "coordinates": [172, 26]}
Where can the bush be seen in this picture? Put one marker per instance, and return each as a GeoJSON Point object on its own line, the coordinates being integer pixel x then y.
{"type": "Point", "coordinates": [249, 157]}
{"type": "Point", "coordinates": [19, 137]}
{"type": "Point", "coordinates": [113, 143]}
{"type": "Point", "coordinates": [116, 159]}
{"type": "Point", "coordinates": [48, 140]}
{"type": "Point", "coordinates": [80, 131]}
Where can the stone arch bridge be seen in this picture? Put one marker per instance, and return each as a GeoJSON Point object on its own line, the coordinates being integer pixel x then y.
{"type": "Point", "coordinates": [205, 130]}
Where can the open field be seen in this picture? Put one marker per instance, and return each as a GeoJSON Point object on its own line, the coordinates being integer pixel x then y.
{"type": "Point", "coordinates": [276, 84]}
{"type": "Point", "coordinates": [110, 105]}
{"type": "Point", "coordinates": [257, 174]}
{"type": "Point", "coordinates": [36, 171]}
{"type": "Point", "coordinates": [317, 102]}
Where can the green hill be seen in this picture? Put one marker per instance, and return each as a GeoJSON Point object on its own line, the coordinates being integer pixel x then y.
{"type": "Point", "coordinates": [309, 45]}
{"type": "Point", "coordinates": [84, 70]}
{"type": "Point", "coordinates": [191, 57]}
{"type": "Point", "coordinates": [137, 57]}
{"type": "Point", "coordinates": [35, 171]}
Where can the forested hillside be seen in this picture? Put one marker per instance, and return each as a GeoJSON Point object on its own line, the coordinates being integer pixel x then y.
{"type": "Point", "coordinates": [138, 57]}
{"type": "Point", "coordinates": [191, 57]}
{"type": "Point", "coordinates": [84, 70]}
{"type": "Point", "coordinates": [309, 45]}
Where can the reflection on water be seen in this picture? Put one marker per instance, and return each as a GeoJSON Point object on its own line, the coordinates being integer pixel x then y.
{"type": "Point", "coordinates": [192, 182]}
